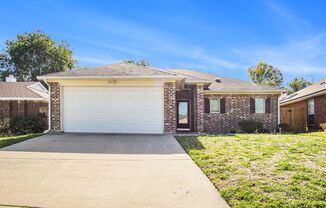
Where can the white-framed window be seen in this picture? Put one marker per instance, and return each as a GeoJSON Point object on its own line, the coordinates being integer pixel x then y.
{"type": "Point", "coordinates": [311, 112]}
{"type": "Point", "coordinates": [214, 105]}
{"type": "Point", "coordinates": [311, 107]}
{"type": "Point", "coordinates": [259, 105]}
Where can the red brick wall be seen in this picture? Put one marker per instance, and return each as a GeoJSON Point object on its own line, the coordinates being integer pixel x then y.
{"type": "Point", "coordinates": [55, 106]}
{"type": "Point", "coordinates": [237, 108]}
{"type": "Point", "coordinates": [170, 123]}
{"type": "Point", "coordinates": [10, 109]}
{"type": "Point", "coordinates": [200, 108]}
{"type": "Point", "coordinates": [4, 109]}
{"type": "Point", "coordinates": [320, 112]}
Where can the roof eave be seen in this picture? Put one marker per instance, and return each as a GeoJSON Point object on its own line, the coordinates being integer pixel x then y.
{"type": "Point", "coordinates": [241, 92]}
{"type": "Point", "coordinates": [109, 77]}
{"type": "Point", "coordinates": [305, 97]}
{"type": "Point", "coordinates": [23, 98]}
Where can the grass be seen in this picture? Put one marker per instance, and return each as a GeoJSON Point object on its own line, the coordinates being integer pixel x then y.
{"type": "Point", "coordinates": [263, 170]}
{"type": "Point", "coordinates": [9, 140]}
{"type": "Point", "coordinates": [14, 206]}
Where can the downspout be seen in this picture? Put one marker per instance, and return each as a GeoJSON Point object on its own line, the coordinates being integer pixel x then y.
{"type": "Point", "coordinates": [49, 108]}
{"type": "Point", "coordinates": [279, 110]}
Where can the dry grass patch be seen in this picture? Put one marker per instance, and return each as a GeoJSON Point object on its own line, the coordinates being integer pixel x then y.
{"type": "Point", "coordinates": [264, 170]}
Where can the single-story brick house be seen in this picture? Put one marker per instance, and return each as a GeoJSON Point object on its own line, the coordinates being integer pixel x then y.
{"type": "Point", "coordinates": [22, 98]}
{"type": "Point", "coordinates": [126, 98]}
{"type": "Point", "coordinates": [305, 109]}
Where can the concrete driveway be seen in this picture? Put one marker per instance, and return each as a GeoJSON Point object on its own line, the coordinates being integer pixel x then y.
{"type": "Point", "coordinates": [99, 170]}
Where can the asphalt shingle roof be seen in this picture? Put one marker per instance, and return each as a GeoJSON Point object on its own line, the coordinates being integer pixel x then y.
{"type": "Point", "coordinates": [308, 91]}
{"type": "Point", "coordinates": [214, 82]}
{"type": "Point", "coordinates": [18, 90]}
{"type": "Point", "coordinates": [225, 84]}
{"type": "Point", "coordinates": [112, 70]}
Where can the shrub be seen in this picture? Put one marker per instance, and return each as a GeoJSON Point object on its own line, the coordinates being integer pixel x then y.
{"type": "Point", "coordinates": [251, 126]}
{"type": "Point", "coordinates": [27, 125]}
{"type": "Point", "coordinates": [233, 131]}
{"type": "Point", "coordinates": [284, 128]}
{"type": "Point", "coordinates": [5, 127]}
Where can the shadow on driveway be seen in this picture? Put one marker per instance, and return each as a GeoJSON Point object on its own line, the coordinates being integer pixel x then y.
{"type": "Point", "coordinates": [100, 144]}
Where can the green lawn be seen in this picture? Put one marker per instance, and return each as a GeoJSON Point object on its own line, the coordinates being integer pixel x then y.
{"type": "Point", "coordinates": [263, 170]}
{"type": "Point", "coordinates": [9, 140]}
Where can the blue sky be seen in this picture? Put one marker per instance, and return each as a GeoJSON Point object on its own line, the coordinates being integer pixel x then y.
{"type": "Point", "coordinates": [221, 37]}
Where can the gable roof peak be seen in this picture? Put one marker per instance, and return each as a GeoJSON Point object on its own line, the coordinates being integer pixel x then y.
{"type": "Point", "coordinates": [116, 70]}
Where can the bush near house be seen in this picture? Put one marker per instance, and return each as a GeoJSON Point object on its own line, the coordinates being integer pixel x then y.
{"type": "Point", "coordinates": [23, 125]}
{"type": "Point", "coordinates": [251, 126]}
{"type": "Point", "coordinates": [4, 126]}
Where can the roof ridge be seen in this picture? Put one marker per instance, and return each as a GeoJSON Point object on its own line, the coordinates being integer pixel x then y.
{"type": "Point", "coordinates": [152, 68]}
{"type": "Point", "coordinates": [218, 76]}
{"type": "Point", "coordinates": [266, 85]}
{"type": "Point", "coordinates": [191, 75]}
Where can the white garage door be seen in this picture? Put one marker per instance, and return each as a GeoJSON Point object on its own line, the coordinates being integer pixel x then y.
{"type": "Point", "coordinates": [113, 109]}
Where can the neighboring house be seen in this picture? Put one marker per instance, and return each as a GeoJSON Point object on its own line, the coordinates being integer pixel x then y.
{"type": "Point", "coordinates": [22, 98]}
{"type": "Point", "coordinates": [305, 109]}
{"type": "Point", "coordinates": [125, 98]}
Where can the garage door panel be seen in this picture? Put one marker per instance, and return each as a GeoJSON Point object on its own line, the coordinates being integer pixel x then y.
{"type": "Point", "coordinates": [113, 110]}
{"type": "Point", "coordinates": [106, 127]}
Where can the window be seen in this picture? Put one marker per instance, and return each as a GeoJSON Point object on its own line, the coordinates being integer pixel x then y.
{"type": "Point", "coordinates": [43, 110]}
{"type": "Point", "coordinates": [214, 106]}
{"type": "Point", "coordinates": [183, 112]}
{"type": "Point", "coordinates": [311, 112]}
{"type": "Point", "coordinates": [311, 107]}
{"type": "Point", "coordinates": [259, 105]}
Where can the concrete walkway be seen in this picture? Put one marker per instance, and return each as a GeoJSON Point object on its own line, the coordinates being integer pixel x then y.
{"type": "Point", "coordinates": [98, 170]}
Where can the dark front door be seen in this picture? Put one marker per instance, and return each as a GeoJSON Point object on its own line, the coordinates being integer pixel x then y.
{"type": "Point", "coordinates": [183, 114]}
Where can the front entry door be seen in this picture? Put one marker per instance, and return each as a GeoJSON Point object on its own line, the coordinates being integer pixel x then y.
{"type": "Point", "coordinates": [183, 118]}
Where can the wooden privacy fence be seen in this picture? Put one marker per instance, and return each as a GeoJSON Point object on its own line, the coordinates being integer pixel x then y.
{"type": "Point", "coordinates": [296, 117]}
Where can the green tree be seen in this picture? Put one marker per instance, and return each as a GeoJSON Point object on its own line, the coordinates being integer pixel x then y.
{"type": "Point", "coordinates": [298, 84]}
{"type": "Point", "coordinates": [264, 73]}
{"type": "Point", "coordinates": [33, 54]}
{"type": "Point", "coordinates": [138, 63]}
